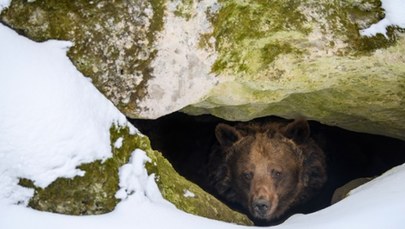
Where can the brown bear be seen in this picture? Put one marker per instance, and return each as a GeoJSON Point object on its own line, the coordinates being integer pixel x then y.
{"type": "Point", "coordinates": [266, 168]}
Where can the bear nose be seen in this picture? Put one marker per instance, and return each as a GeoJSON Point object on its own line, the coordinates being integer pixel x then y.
{"type": "Point", "coordinates": [261, 206]}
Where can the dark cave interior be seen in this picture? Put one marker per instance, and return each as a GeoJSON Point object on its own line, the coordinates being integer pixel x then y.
{"type": "Point", "coordinates": [186, 142]}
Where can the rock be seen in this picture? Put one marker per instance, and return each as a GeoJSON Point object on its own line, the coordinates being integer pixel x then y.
{"type": "Point", "coordinates": [307, 58]}
{"type": "Point", "coordinates": [235, 59]}
{"type": "Point", "coordinates": [344, 191]}
{"type": "Point", "coordinates": [188, 196]}
{"type": "Point", "coordinates": [113, 41]}
{"type": "Point", "coordinates": [95, 192]}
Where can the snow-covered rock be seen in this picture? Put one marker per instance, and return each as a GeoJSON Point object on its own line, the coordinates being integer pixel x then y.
{"type": "Point", "coordinates": [65, 148]}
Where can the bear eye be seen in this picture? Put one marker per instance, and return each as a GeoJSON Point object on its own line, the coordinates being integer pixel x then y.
{"type": "Point", "coordinates": [276, 174]}
{"type": "Point", "coordinates": [247, 176]}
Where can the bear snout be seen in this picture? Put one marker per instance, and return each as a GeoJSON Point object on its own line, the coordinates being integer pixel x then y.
{"type": "Point", "coordinates": [261, 208]}
{"type": "Point", "coordinates": [262, 200]}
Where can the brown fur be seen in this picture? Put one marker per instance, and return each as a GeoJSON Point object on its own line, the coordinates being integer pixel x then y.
{"type": "Point", "coordinates": [267, 168]}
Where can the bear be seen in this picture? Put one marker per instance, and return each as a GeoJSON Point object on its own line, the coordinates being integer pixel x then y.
{"type": "Point", "coordinates": [267, 169]}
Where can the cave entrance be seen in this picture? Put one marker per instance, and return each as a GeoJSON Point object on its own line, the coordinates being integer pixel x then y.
{"type": "Point", "coordinates": [352, 157]}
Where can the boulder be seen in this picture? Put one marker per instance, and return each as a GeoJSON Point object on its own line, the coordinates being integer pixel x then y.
{"type": "Point", "coordinates": [96, 191]}
{"type": "Point", "coordinates": [308, 58]}
{"type": "Point", "coordinates": [234, 59]}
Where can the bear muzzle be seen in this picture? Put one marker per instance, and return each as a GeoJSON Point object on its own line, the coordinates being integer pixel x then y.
{"type": "Point", "coordinates": [263, 201]}
{"type": "Point", "coordinates": [263, 208]}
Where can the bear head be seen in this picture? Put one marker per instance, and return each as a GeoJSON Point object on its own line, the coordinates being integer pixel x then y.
{"type": "Point", "coordinates": [268, 169]}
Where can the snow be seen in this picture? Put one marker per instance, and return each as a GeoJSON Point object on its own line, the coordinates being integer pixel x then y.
{"type": "Point", "coordinates": [394, 16]}
{"type": "Point", "coordinates": [4, 4]}
{"type": "Point", "coordinates": [118, 143]}
{"type": "Point", "coordinates": [188, 194]}
{"type": "Point", "coordinates": [52, 119]}
{"type": "Point", "coordinates": [134, 179]}
{"type": "Point", "coordinates": [377, 204]}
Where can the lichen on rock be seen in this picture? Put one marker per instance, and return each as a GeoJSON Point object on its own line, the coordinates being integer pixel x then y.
{"type": "Point", "coordinates": [235, 59]}
{"type": "Point", "coordinates": [175, 188]}
{"type": "Point", "coordinates": [182, 65]}
{"type": "Point", "coordinates": [113, 41]}
{"type": "Point", "coordinates": [308, 58]}
{"type": "Point", "coordinates": [95, 191]}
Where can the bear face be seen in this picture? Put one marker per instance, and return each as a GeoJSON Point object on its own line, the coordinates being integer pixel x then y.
{"type": "Point", "coordinates": [268, 168]}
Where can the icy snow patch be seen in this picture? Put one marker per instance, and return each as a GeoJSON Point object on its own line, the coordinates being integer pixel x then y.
{"type": "Point", "coordinates": [188, 193]}
{"type": "Point", "coordinates": [133, 176]}
{"type": "Point", "coordinates": [394, 15]}
{"type": "Point", "coordinates": [11, 192]}
{"type": "Point", "coordinates": [134, 180]}
{"type": "Point", "coordinates": [118, 142]}
{"type": "Point", "coordinates": [379, 203]}
{"type": "Point", "coordinates": [181, 68]}
{"type": "Point", "coordinates": [4, 4]}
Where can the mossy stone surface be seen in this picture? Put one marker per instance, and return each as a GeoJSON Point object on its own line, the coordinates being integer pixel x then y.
{"type": "Point", "coordinates": [112, 40]}
{"type": "Point", "coordinates": [188, 196]}
{"type": "Point", "coordinates": [94, 193]}
{"type": "Point", "coordinates": [360, 93]}
{"type": "Point", "coordinates": [286, 58]}
{"type": "Point", "coordinates": [307, 58]}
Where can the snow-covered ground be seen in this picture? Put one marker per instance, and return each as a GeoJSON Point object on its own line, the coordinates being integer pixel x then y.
{"type": "Point", "coordinates": [53, 119]}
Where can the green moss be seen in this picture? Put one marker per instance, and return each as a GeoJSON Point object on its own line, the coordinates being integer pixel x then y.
{"type": "Point", "coordinates": [252, 34]}
{"type": "Point", "coordinates": [108, 38]}
{"type": "Point", "coordinates": [157, 23]}
{"type": "Point", "coordinates": [173, 187]}
{"type": "Point", "coordinates": [26, 183]}
{"type": "Point", "coordinates": [365, 45]}
{"type": "Point", "coordinates": [204, 41]}
{"type": "Point", "coordinates": [243, 31]}
{"type": "Point", "coordinates": [184, 9]}
{"type": "Point", "coordinates": [271, 51]}
{"type": "Point", "coordinates": [364, 94]}
{"type": "Point", "coordinates": [346, 20]}
{"type": "Point", "coordinates": [93, 193]}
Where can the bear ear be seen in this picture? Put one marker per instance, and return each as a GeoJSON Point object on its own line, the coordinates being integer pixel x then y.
{"type": "Point", "coordinates": [227, 135]}
{"type": "Point", "coordinates": [298, 131]}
